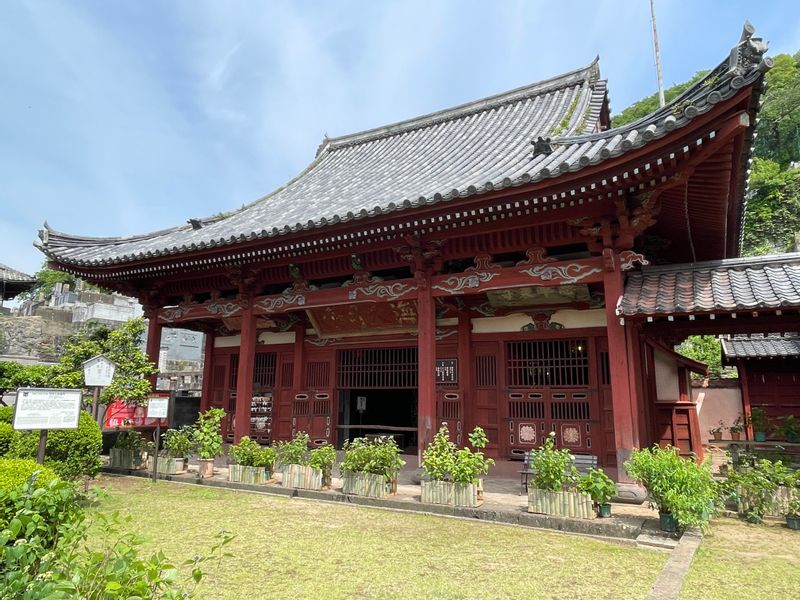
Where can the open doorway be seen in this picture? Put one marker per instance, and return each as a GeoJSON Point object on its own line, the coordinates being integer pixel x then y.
{"type": "Point", "coordinates": [369, 412]}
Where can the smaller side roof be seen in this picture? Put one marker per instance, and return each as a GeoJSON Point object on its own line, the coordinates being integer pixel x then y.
{"type": "Point", "coordinates": [771, 346]}
{"type": "Point", "coordinates": [714, 287]}
{"type": "Point", "coordinates": [13, 282]}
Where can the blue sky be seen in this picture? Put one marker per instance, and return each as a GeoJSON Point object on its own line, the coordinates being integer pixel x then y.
{"type": "Point", "coordinates": [119, 118]}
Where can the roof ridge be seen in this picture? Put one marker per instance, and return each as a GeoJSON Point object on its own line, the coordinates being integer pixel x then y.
{"type": "Point", "coordinates": [745, 261]}
{"type": "Point", "coordinates": [589, 73]}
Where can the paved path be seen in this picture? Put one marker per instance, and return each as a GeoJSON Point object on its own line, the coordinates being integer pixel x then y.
{"type": "Point", "coordinates": [670, 580]}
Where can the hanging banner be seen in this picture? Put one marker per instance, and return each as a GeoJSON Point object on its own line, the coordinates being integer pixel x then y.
{"type": "Point", "coordinates": [121, 415]}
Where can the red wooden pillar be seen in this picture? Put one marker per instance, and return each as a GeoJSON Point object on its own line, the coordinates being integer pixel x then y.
{"type": "Point", "coordinates": [153, 347]}
{"type": "Point", "coordinates": [426, 351]}
{"type": "Point", "coordinates": [465, 369]}
{"type": "Point", "coordinates": [298, 368]}
{"type": "Point", "coordinates": [208, 363]}
{"type": "Point", "coordinates": [626, 430]}
{"type": "Point", "coordinates": [244, 380]}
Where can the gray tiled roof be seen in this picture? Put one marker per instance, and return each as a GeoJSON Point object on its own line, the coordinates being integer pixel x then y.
{"type": "Point", "coordinates": [9, 274]}
{"type": "Point", "coordinates": [771, 346]}
{"type": "Point", "coordinates": [723, 286]}
{"type": "Point", "coordinates": [456, 153]}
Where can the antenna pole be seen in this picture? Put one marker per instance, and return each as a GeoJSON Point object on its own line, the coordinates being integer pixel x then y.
{"type": "Point", "coordinates": [658, 55]}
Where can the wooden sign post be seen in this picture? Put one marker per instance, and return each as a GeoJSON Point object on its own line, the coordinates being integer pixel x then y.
{"type": "Point", "coordinates": [98, 372]}
{"type": "Point", "coordinates": [157, 408]}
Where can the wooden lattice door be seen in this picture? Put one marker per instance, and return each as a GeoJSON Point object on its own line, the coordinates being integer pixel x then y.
{"type": "Point", "coordinates": [312, 408]}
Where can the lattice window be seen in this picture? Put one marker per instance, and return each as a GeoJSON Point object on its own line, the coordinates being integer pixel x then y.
{"type": "Point", "coordinates": [573, 408]}
{"type": "Point", "coordinates": [321, 405]}
{"type": "Point", "coordinates": [378, 368]}
{"type": "Point", "coordinates": [234, 366]}
{"type": "Point", "coordinates": [486, 370]}
{"type": "Point", "coordinates": [318, 374]}
{"type": "Point", "coordinates": [450, 407]}
{"type": "Point", "coordinates": [549, 363]}
{"type": "Point", "coordinates": [522, 407]}
{"type": "Point", "coordinates": [301, 406]}
{"type": "Point", "coordinates": [287, 374]}
{"type": "Point", "coordinates": [264, 370]}
{"type": "Point", "coordinates": [605, 369]}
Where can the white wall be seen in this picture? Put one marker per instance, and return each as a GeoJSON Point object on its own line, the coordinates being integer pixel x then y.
{"type": "Point", "coordinates": [666, 368]}
{"type": "Point", "coordinates": [715, 404]}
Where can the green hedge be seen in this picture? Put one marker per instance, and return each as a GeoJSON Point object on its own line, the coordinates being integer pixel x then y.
{"type": "Point", "coordinates": [14, 472]}
{"type": "Point", "coordinates": [6, 414]}
{"type": "Point", "coordinates": [71, 453]}
{"type": "Point", "coordinates": [7, 435]}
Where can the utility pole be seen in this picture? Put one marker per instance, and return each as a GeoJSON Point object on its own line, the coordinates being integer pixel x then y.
{"type": "Point", "coordinates": [661, 100]}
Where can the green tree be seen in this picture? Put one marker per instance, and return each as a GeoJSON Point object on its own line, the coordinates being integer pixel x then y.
{"type": "Point", "coordinates": [772, 219]}
{"type": "Point", "coordinates": [779, 127]}
{"type": "Point", "coordinates": [46, 280]}
{"type": "Point", "coordinates": [706, 349]}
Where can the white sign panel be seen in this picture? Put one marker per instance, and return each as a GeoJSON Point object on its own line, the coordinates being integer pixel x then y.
{"type": "Point", "coordinates": [157, 407]}
{"type": "Point", "coordinates": [47, 408]}
{"type": "Point", "coordinates": [98, 371]}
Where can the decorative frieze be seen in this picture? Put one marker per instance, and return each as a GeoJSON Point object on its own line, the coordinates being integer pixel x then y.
{"type": "Point", "coordinates": [563, 274]}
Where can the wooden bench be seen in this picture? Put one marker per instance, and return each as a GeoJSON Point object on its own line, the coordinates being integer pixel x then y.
{"type": "Point", "coordinates": [583, 462]}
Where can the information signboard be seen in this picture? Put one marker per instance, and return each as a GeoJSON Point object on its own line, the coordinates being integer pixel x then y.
{"type": "Point", "coordinates": [447, 370]}
{"type": "Point", "coordinates": [157, 407]}
{"type": "Point", "coordinates": [47, 408]}
{"type": "Point", "coordinates": [98, 371]}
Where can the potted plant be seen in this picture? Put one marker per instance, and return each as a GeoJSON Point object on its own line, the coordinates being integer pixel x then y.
{"type": "Point", "coordinates": [177, 447]}
{"type": "Point", "coordinates": [762, 488]}
{"type": "Point", "coordinates": [251, 463]}
{"type": "Point", "coordinates": [736, 429]}
{"type": "Point", "coordinates": [601, 489]}
{"type": "Point", "coordinates": [793, 513]}
{"type": "Point", "coordinates": [758, 419]}
{"type": "Point", "coordinates": [452, 475]}
{"type": "Point", "coordinates": [717, 431]}
{"type": "Point", "coordinates": [788, 428]}
{"type": "Point", "coordinates": [208, 440]}
{"type": "Point", "coordinates": [683, 491]}
{"type": "Point", "coordinates": [552, 488]}
{"type": "Point", "coordinates": [301, 468]}
{"type": "Point", "coordinates": [127, 450]}
{"type": "Point", "coordinates": [370, 467]}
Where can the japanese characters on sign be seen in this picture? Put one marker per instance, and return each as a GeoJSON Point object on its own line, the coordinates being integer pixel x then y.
{"type": "Point", "coordinates": [98, 371]}
{"type": "Point", "coordinates": [447, 370]}
{"type": "Point", "coordinates": [157, 407]}
{"type": "Point", "coordinates": [47, 408]}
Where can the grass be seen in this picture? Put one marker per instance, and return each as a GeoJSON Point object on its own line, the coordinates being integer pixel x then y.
{"type": "Point", "coordinates": [739, 560]}
{"type": "Point", "coordinates": [291, 548]}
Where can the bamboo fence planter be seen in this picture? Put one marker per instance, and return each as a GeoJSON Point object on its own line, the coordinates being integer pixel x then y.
{"type": "Point", "coordinates": [205, 468]}
{"type": "Point", "coordinates": [171, 466]}
{"type": "Point", "coordinates": [469, 495]}
{"type": "Point", "coordinates": [243, 474]}
{"type": "Point", "coordinates": [122, 458]}
{"type": "Point", "coordinates": [562, 504]}
{"type": "Point", "coordinates": [367, 484]}
{"type": "Point", "coordinates": [302, 477]}
{"type": "Point", "coordinates": [779, 506]}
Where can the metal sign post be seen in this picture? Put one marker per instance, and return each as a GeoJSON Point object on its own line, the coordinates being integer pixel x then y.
{"type": "Point", "coordinates": [157, 408]}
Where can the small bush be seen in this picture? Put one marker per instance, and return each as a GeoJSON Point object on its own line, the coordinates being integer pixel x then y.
{"type": "Point", "coordinates": [6, 414]}
{"type": "Point", "coordinates": [322, 458]}
{"type": "Point", "coordinates": [178, 442]}
{"type": "Point", "coordinates": [598, 485]}
{"type": "Point", "coordinates": [294, 452]}
{"type": "Point", "coordinates": [15, 472]}
{"type": "Point", "coordinates": [250, 454]}
{"type": "Point", "coordinates": [71, 453]}
{"type": "Point", "coordinates": [7, 435]}
{"type": "Point", "coordinates": [443, 461]}
{"type": "Point", "coordinates": [553, 470]}
{"type": "Point", "coordinates": [379, 456]}
{"type": "Point", "coordinates": [206, 436]}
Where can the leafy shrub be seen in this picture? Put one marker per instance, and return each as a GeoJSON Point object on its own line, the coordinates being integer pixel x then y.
{"type": "Point", "coordinates": [675, 485]}
{"type": "Point", "coordinates": [322, 458]}
{"type": "Point", "coordinates": [793, 509]}
{"type": "Point", "coordinates": [379, 456]}
{"type": "Point", "coordinates": [130, 439]}
{"type": "Point", "coordinates": [6, 414]}
{"type": "Point", "coordinates": [178, 442]}
{"type": "Point", "coordinates": [251, 454]}
{"type": "Point", "coordinates": [7, 435]}
{"type": "Point", "coordinates": [598, 485]}
{"type": "Point", "coordinates": [15, 472]}
{"type": "Point", "coordinates": [206, 435]}
{"type": "Point", "coordinates": [443, 461]}
{"type": "Point", "coordinates": [755, 485]}
{"type": "Point", "coordinates": [294, 452]}
{"type": "Point", "coordinates": [552, 470]}
{"type": "Point", "coordinates": [71, 453]}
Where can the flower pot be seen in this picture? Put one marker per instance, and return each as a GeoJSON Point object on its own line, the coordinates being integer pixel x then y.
{"type": "Point", "coordinates": [717, 436]}
{"type": "Point", "coordinates": [121, 458]}
{"type": "Point", "coordinates": [367, 484]}
{"type": "Point", "coordinates": [793, 522]}
{"type": "Point", "coordinates": [723, 469]}
{"type": "Point", "coordinates": [562, 504]}
{"type": "Point", "coordinates": [736, 436]}
{"type": "Point", "coordinates": [604, 510]}
{"type": "Point", "coordinates": [244, 474]}
{"type": "Point", "coordinates": [450, 493]}
{"type": "Point", "coordinates": [171, 466]}
{"type": "Point", "coordinates": [302, 477]}
{"type": "Point", "coordinates": [761, 436]}
{"type": "Point", "coordinates": [206, 468]}
{"type": "Point", "coordinates": [667, 522]}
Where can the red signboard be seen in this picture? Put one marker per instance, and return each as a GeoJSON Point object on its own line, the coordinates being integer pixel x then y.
{"type": "Point", "coordinates": [121, 415]}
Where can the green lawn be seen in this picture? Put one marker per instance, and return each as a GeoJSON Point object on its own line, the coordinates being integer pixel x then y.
{"type": "Point", "coordinates": [291, 548]}
{"type": "Point", "coordinates": [738, 560]}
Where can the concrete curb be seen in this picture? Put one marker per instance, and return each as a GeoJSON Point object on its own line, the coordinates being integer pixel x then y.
{"type": "Point", "coordinates": [669, 582]}
{"type": "Point", "coordinates": [618, 528]}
